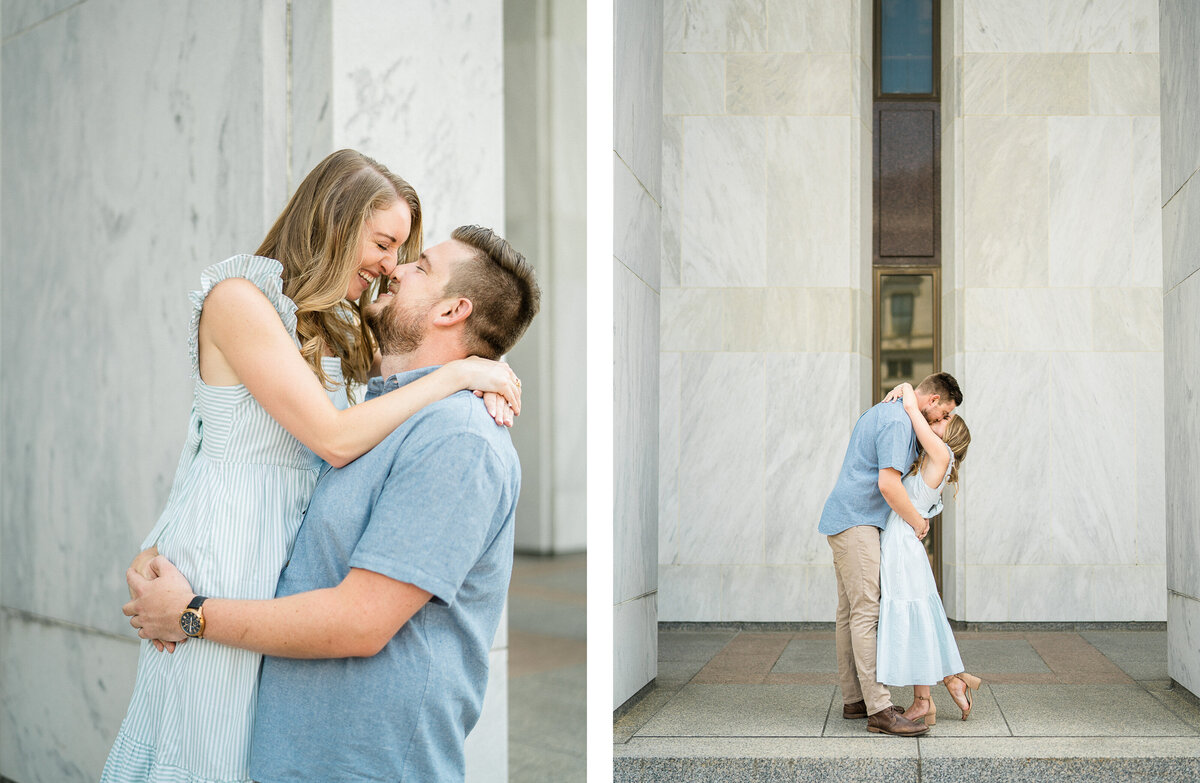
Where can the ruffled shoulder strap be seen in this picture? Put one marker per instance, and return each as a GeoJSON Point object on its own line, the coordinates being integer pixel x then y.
{"type": "Point", "coordinates": [949, 467]}
{"type": "Point", "coordinates": [265, 273]}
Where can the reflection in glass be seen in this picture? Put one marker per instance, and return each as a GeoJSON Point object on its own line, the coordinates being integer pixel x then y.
{"type": "Point", "coordinates": [906, 38]}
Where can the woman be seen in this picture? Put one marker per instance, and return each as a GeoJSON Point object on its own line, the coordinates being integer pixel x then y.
{"type": "Point", "coordinates": [262, 421]}
{"type": "Point", "coordinates": [915, 645]}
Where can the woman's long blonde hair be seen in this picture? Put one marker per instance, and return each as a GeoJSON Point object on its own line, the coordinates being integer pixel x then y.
{"type": "Point", "coordinates": [957, 437]}
{"type": "Point", "coordinates": [317, 238]}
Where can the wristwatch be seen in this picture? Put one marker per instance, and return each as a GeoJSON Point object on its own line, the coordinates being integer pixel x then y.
{"type": "Point", "coordinates": [192, 619]}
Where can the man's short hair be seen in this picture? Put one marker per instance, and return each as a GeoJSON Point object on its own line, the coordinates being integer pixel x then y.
{"type": "Point", "coordinates": [943, 384]}
{"type": "Point", "coordinates": [502, 288]}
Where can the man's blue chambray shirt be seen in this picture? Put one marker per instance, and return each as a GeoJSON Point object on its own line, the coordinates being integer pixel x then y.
{"type": "Point", "coordinates": [882, 438]}
{"type": "Point", "coordinates": [432, 506]}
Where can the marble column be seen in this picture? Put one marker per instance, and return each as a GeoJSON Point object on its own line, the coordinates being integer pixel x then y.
{"type": "Point", "coordinates": [1180, 196]}
{"type": "Point", "coordinates": [544, 158]}
{"type": "Point", "coordinates": [637, 193]}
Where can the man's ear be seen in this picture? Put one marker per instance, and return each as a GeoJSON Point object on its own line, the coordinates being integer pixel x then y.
{"type": "Point", "coordinates": [453, 311]}
{"type": "Point", "coordinates": [934, 399]}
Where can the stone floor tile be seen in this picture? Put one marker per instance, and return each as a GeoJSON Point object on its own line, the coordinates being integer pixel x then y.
{"type": "Point", "coordinates": [807, 655]}
{"type": "Point", "coordinates": [692, 645]}
{"type": "Point", "coordinates": [1086, 711]}
{"type": "Point", "coordinates": [677, 673]}
{"type": "Point", "coordinates": [626, 726]}
{"type": "Point", "coordinates": [746, 669]}
{"type": "Point", "coordinates": [1073, 660]}
{"type": "Point", "coordinates": [703, 710]}
{"type": "Point", "coordinates": [986, 719]}
{"type": "Point", "coordinates": [1172, 696]}
{"type": "Point", "coordinates": [1001, 656]}
{"type": "Point", "coordinates": [535, 614]}
{"type": "Point", "coordinates": [1140, 654]}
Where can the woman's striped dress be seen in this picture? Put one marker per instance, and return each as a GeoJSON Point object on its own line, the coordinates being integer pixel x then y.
{"type": "Point", "coordinates": [240, 491]}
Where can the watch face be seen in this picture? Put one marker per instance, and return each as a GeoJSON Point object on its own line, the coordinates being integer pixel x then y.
{"type": "Point", "coordinates": [190, 622]}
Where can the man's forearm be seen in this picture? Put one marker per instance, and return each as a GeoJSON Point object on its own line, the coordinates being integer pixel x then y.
{"type": "Point", "coordinates": [897, 498]}
{"type": "Point", "coordinates": [308, 625]}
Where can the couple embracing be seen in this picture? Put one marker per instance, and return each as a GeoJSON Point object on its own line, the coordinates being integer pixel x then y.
{"type": "Point", "coordinates": [891, 627]}
{"type": "Point", "coordinates": [359, 555]}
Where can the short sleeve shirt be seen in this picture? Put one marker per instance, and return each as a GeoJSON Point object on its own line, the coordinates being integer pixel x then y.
{"type": "Point", "coordinates": [433, 506]}
{"type": "Point", "coordinates": [882, 438]}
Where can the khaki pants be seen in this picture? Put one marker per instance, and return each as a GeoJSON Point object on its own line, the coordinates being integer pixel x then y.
{"type": "Point", "coordinates": [856, 564]}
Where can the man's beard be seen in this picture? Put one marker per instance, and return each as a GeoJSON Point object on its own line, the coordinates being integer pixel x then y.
{"type": "Point", "coordinates": [398, 330]}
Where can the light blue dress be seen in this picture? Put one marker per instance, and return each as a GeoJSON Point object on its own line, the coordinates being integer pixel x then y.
{"type": "Point", "coordinates": [239, 494]}
{"type": "Point", "coordinates": [915, 645]}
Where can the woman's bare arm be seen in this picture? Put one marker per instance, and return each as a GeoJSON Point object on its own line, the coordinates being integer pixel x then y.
{"type": "Point", "coordinates": [243, 328]}
{"type": "Point", "coordinates": [937, 458]}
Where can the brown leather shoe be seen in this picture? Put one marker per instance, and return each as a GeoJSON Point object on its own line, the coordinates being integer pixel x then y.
{"type": "Point", "coordinates": [858, 709]}
{"type": "Point", "coordinates": [890, 721]}
{"type": "Point", "coordinates": [854, 711]}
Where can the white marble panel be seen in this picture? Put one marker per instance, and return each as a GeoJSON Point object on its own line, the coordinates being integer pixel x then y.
{"type": "Point", "coordinates": [669, 402]}
{"type": "Point", "coordinates": [810, 319]}
{"type": "Point", "coordinates": [715, 25]}
{"type": "Point", "coordinates": [431, 109]}
{"type": "Point", "coordinates": [635, 435]}
{"type": "Point", "coordinates": [486, 747]}
{"type": "Point", "coordinates": [1091, 188]}
{"type": "Point", "coordinates": [828, 84]}
{"type": "Point", "coordinates": [1181, 358]}
{"type": "Point", "coordinates": [724, 202]}
{"type": "Point", "coordinates": [1143, 26]}
{"type": "Point", "coordinates": [692, 319]}
{"type": "Point", "coordinates": [1127, 319]}
{"type": "Point", "coordinates": [636, 226]}
{"type": "Point", "coordinates": [983, 83]}
{"type": "Point", "coordinates": [809, 26]}
{"type": "Point", "coordinates": [808, 201]}
{"type": "Point", "coordinates": [689, 593]}
{"type": "Point", "coordinates": [635, 646]}
{"type": "Point", "coordinates": [1008, 407]}
{"type": "Point", "coordinates": [745, 319]}
{"type": "Point", "coordinates": [157, 154]}
{"type": "Point", "coordinates": [721, 459]}
{"type": "Point", "coordinates": [1130, 593]}
{"type": "Point", "coordinates": [672, 199]}
{"type": "Point", "coordinates": [1148, 383]}
{"type": "Point", "coordinates": [20, 15]}
{"type": "Point", "coordinates": [1051, 593]}
{"type": "Point", "coordinates": [986, 591]}
{"type": "Point", "coordinates": [1181, 234]}
{"type": "Point", "coordinates": [1005, 238]}
{"type": "Point", "coordinates": [1180, 84]}
{"type": "Point", "coordinates": [1004, 26]}
{"type": "Point", "coordinates": [1183, 641]}
{"type": "Point", "coordinates": [807, 431]}
{"type": "Point", "coordinates": [768, 594]}
{"type": "Point", "coordinates": [1046, 84]}
{"type": "Point", "coordinates": [952, 86]}
{"type": "Point", "coordinates": [1028, 319]}
{"type": "Point", "coordinates": [65, 693]}
{"type": "Point", "coordinates": [1147, 209]}
{"type": "Point", "coordinates": [693, 83]}
{"type": "Point", "coordinates": [312, 88]}
{"type": "Point", "coordinates": [1124, 83]}
{"type": "Point", "coordinates": [1093, 422]}
{"type": "Point", "coordinates": [767, 83]}
{"type": "Point", "coordinates": [1091, 26]}
{"type": "Point", "coordinates": [638, 88]}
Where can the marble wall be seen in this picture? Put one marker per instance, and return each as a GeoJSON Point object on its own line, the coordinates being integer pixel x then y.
{"type": "Point", "coordinates": [544, 115]}
{"type": "Point", "coordinates": [638, 207]}
{"type": "Point", "coordinates": [1180, 80]}
{"type": "Point", "coordinates": [1053, 313]}
{"type": "Point", "coordinates": [766, 293]}
{"type": "Point", "coordinates": [157, 161]}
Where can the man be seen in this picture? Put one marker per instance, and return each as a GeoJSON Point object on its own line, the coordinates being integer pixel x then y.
{"type": "Point", "coordinates": [881, 451]}
{"type": "Point", "coordinates": [399, 573]}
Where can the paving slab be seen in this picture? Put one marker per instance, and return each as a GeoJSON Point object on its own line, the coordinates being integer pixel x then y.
{"type": "Point", "coordinates": [702, 710]}
{"type": "Point", "coordinates": [1070, 760]}
{"type": "Point", "coordinates": [1001, 656]}
{"type": "Point", "coordinates": [1086, 711]}
{"type": "Point", "coordinates": [1140, 654]}
{"type": "Point", "coordinates": [807, 656]}
{"type": "Point", "coordinates": [986, 719]}
{"type": "Point", "coordinates": [692, 645]}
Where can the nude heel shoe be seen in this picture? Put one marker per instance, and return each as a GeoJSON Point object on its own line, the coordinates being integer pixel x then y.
{"type": "Point", "coordinates": [930, 718]}
{"type": "Point", "coordinates": [971, 680]}
{"type": "Point", "coordinates": [970, 683]}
